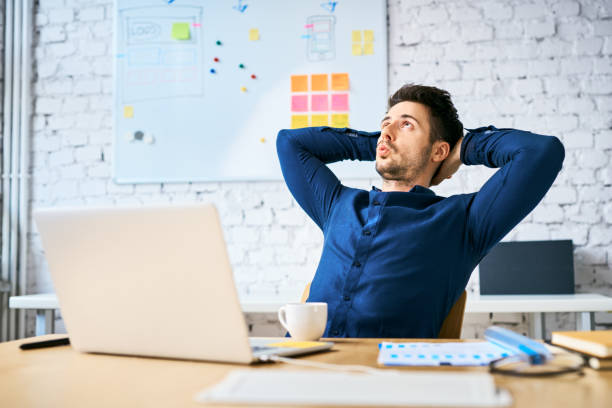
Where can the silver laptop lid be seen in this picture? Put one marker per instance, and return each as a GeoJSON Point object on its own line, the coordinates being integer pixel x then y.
{"type": "Point", "coordinates": [150, 281]}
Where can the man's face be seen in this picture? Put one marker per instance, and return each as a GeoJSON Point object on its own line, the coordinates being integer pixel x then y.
{"type": "Point", "coordinates": [404, 145]}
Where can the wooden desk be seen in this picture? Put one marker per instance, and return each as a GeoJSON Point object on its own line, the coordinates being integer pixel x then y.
{"type": "Point", "coordinates": [61, 377]}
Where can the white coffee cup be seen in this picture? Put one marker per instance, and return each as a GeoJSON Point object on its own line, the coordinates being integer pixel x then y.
{"type": "Point", "coordinates": [304, 321]}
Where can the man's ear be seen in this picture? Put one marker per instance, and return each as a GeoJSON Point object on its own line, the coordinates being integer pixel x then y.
{"type": "Point", "coordinates": [440, 151]}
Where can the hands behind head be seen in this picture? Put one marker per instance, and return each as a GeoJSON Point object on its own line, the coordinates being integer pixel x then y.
{"type": "Point", "coordinates": [449, 166]}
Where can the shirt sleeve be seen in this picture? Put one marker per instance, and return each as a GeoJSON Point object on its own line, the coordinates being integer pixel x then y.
{"type": "Point", "coordinates": [528, 162]}
{"type": "Point", "coordinates": [303, 155]}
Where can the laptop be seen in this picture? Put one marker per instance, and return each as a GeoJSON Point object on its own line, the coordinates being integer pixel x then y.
{"type": "Point", "coordinates": [528, 268]}
{"type": "Point", "coordinates": [151, 281]}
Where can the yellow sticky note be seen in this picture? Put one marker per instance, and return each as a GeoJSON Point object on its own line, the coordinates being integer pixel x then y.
{"type": "Point", "coordinates": [340, 82]}
{"type": "Point", "coordinates": [180, 31]}
{"type": "Point", "coordinates": [368, 36]}
{"type": "Point", "coordinates": [254, 34]}
{"type": "Point", "coordinates": [318, 82]}
{"type": "Point", "coordinates": [340, 120]}
{"type": "Point", "coordinates": [299, 83]}
{"type": "Point", "coordinates": [356, 36]}
{"type": "Point", "coordinates": [319, 120]}
{"type": "Point", "coordinates": [368, 48]}
{"type": "Point", "coordinates": [299, 121]}
{"type": "Point", "coordinates": [357, 49]}
{"type": "Point", "coordinates": [296, 344]}
{"type": "Point", "coordinates": [128, 111]}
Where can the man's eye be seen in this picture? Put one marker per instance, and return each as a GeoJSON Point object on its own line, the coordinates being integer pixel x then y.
{"type": "Point", "coordinates": [406, 124]}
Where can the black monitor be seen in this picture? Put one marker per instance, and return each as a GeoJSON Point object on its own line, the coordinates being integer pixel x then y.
{"type": "Point", "coordinates": [528, 268]}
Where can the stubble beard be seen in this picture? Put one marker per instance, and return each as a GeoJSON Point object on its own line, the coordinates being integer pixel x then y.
{"type": "Point", "coordinates": [407, 169]}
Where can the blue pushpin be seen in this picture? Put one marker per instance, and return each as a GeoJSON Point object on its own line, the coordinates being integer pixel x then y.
{"type": "Point", "coordinates": [212, 71]}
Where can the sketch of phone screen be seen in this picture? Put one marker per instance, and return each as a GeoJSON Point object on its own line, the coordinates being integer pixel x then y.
{"type": "Point", "coordinates": [321, 39]}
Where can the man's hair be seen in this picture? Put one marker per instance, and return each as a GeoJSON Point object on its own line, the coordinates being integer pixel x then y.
{"type": "Point", "coordinates": [443, 119]}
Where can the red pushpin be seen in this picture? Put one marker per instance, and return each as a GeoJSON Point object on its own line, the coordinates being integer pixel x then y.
{"type": "Point", "coordinates": [216, 59]}
{"type": "Point", "coordinates": [253, 76]}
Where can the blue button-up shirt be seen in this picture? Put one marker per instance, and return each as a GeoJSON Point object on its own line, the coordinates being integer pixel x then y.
{"type": "Point", "coordinates": [394, 263]}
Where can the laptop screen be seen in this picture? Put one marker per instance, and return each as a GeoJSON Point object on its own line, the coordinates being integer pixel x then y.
{"type": "Point", "coordinates": [528, 268]}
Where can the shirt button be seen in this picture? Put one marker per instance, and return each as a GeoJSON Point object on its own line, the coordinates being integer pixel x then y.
{"type": "Point", "coordinates": [367, 232]}
{"type": "Point", "coordinates": [375, 202]}
{"type": "Point", "coordinates": [357, 264]}
{"type": "Point", "coordinates": [346, 298]}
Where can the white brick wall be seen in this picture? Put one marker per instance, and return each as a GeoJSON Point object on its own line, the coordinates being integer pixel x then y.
{"type": "Point", "coordinates": [540, 65]}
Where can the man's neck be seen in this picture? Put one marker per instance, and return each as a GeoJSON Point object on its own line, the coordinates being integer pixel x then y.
{"type": "Point", "coordinates": [401, 185]}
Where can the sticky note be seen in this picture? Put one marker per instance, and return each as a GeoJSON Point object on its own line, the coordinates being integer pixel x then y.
{"type": "Point", "coordinates": [356, 36]}
{"type": "Point", "coordinates": [254, 34]}
{"type": "Point", "coordinates": [340, 82]}
{"type": "Point", "coordinates": [368, 35]}
{"type": "Point", "coordinates": [299, 121]}
{"type": "Point", "coordinates": [340, 120]}
{"type": "Point", "coordinates": [180, 31]}
{"type": "Point", "coordinates": [319, 120]}
{"type": "Point", "coordinates": [357, 49]}
{"type": "Point", "coordinates": [318, 82]}
{"type": "Point", "coordinates": [299, 103]}
{"type": "Point", "coordinates": [128, 111]}
{"type": "Point", "coordinates": [319, 103]}
{"type": "Point", "coordinates": [299, 83]}
{"type": "Point", "coordinates": [368, 48]}
{"type": "Point", "coordinates": [339, 102]}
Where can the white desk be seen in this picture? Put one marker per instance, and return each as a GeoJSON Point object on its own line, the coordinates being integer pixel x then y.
{"type": "Point", "coordinates": [583, 304]}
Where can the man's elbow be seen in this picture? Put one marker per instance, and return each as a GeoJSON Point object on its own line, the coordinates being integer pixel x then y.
{"type": "Point", "coordinates": [555, 152]}
{"type": "Point", "coordinates": [283, 140]}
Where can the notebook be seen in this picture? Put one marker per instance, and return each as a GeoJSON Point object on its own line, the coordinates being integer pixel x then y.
{"type": "Point", "coordinates": [596, 343]}
{"type": "Point", "coordinates": [439, 354]}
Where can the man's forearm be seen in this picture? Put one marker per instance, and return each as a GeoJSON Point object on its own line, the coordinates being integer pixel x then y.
{"type": "Point", "coordinates": [332, 144]}
{"type": "Point", "coordinates": [494, 147]}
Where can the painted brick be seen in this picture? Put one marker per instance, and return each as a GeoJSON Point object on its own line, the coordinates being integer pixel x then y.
{"type": "Point", "coordinates": [60, 16]}
{"type": "Point", "coordinates": [539, 29]}
{"type": "Point", "coordinates": [566, 8]}
{"type": "Point", "coordinates": [530, 11]}
{"type": "Point", "coordinates": [52, 34]}
{"type": "Point", "coordinates": [91, 14]}
{"type": "Point", "coordinates": [497, 11]}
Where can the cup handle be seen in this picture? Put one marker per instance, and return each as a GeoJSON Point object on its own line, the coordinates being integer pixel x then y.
{"type": "Point", "coordinates": [282, 318]}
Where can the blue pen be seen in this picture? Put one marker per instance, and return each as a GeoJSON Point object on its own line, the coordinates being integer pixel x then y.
{"type": "Point", "coordinates": [536, 352]}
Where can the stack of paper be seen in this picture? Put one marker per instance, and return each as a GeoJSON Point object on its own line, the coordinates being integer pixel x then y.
{"type": "Point", "coordinates": [307, 387]}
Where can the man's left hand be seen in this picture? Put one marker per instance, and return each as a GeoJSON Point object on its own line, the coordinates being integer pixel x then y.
{"type": "Point", "coordinates": [449, 166]}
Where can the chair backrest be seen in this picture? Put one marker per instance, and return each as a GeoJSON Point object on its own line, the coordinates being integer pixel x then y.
{"type": "Point", "coordinates": [451, 326]}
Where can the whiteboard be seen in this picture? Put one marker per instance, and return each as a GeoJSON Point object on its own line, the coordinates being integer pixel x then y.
{"type": "Point", "coordinates": [175, 120]}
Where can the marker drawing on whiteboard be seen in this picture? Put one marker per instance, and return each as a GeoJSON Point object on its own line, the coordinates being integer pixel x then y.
{"type": "Point", "coordinates": [329, 6]}
{"type": "Point", "coordinates": [240, 7]}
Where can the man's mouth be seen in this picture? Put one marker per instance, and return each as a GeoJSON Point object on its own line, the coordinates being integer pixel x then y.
{"type": "Point", "coordinates": [383, 149]}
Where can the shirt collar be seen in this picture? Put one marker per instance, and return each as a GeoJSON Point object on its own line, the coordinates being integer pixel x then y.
{"type": "Point", "coordinates": [416, 189]}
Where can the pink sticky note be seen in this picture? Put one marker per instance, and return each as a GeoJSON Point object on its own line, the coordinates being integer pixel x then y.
{"type": "Point", "coordinates": [340, 102]}
{"type": "Point", "coordinates": [319, 103]}
{"type": "Point", "coordinates": [299, 103]}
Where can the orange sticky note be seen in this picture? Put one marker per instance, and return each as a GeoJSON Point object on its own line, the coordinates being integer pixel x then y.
{"type": "Point", "coordinates": [299, 121]}
{"type": "Point", "coordinates": [299, 83]}
{"type": "Point", "coordinates": [340, 82]}
{"type": "Point", "coordinates": [319, 82]}
{"type": "Point", "coordinates": [340, 120]}
{"type": "Point", "coordinates": [319, 120]}
{"type": "Point", "coordinates": [128, 111]}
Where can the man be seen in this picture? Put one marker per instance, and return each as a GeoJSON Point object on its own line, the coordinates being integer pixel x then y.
{"type": "Point", "coordinates": [396, 259]}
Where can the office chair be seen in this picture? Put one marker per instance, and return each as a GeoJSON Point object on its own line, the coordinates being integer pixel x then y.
{"type": "Point", "coordinates": [451, 326]}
